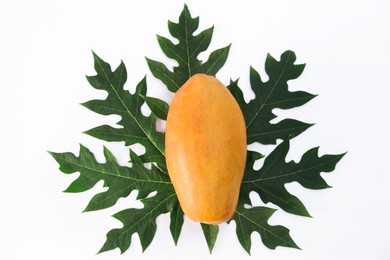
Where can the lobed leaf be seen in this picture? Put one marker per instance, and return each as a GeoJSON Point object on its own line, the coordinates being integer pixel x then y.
{"type": "Point", "coordinates": [121, 181]}
{"type": "Point", "coordinates": [141, 221]}
{"type": "Point", "coordinates": [249, 220]}
{"type": "Point", "coordinates": [136, 128]}
{"type": "Point", "coordinates": [269, 181]}
{"type": "Point", "coordinates": [186, 52]}
{"type": "Point", "coordinates": [270, 95]}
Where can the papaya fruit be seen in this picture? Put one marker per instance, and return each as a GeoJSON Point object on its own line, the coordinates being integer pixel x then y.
{"type": "Point", "coordinates": [205, 149]}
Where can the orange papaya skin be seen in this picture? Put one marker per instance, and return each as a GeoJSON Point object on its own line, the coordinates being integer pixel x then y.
{"type": "Point", "coordinates": [205, 148]}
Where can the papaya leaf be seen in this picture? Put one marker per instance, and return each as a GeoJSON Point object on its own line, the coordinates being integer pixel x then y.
{"type": "Point", "coordinates": [269, 181]}
{"type": "Point", "coordinates": [141, 221]}
{"type": "Point", "coordinates": [252, 156]}
{"type": "Point", "coordinates": [210, 233]}
{"type": "Point", "coordinates": [136, 128]}
{"type": "Point", "coordinates": [120, 181]}
{"type": "Point", "coordinates": [158, 107]}
{"type": "Point", "coordinates": [177, 219]}
{"type": "Point", "coordinates": [186, 52]}
{"type": "Point", "coordinates": [255, 219]}
{"type": "Point", "coordinates": [270, 95]}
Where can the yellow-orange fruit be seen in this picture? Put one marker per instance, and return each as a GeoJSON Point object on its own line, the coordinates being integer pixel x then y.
{"type": "Point", "coordinates": [205, 148]}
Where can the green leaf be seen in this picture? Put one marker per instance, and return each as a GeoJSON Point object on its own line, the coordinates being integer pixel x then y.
{"type": "Point", "coordinates": [270, 95]}
{"type": "Point", "coordinates": [133, 127]}
{"type": "Point", "coordinates": [141, 221]}
{"type": "Point", "coordinates": [249, 220]}
{"type": "Point", "coordinates": [186, 52]}
{"type": "Point", "coordinates": [121, 181]}
{"type": "Point", "coordinates": [136, 128]}
{"type": "Point", "coordinates": [252, 156]}
{"type": "Point", "coordinates": [177, 219]}
{"type": "Point", "coordinates": [210, 233]}
{"type": "Point", "coordinates": [269, 181]}
{"type": "Point", "coordinates": [158, 107]}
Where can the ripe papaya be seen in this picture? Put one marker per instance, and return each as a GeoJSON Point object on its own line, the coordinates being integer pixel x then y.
{"type": "Point", "coordinates": [205, 149]}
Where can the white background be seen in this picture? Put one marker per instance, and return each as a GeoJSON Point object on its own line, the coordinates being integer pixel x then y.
{"type": "Point", "coordinates": [45, 53]}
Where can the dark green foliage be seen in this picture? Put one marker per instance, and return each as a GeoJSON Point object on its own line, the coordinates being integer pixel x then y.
{"type": "Point", "coordinates": [269, 181]}
{"type": "Point", "coordinates": [186, 52]}
{"type": "Point", "coordinates": [135, 128]}
{"type": "Point", "coordinates": [270, 95]}
{"type": "Point", "coordinates": [249, 220]}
